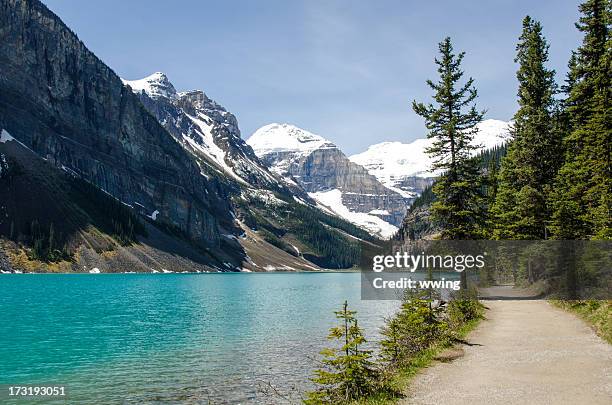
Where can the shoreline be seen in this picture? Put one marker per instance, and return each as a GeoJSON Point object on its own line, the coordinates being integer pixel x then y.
{"type": "Point", "coordinates": [189, 272]}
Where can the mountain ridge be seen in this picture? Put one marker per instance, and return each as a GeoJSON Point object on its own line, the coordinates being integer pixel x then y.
{"type": "Point", "coordinates": [329, 177]}
{"type": "Point", "coordinates": [194, 181]}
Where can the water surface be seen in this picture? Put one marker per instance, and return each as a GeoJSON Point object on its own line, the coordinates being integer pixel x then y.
{"type": "Point", "coordinates": [193, 338]}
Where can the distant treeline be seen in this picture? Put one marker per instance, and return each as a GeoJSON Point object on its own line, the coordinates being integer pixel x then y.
{"type": "Point", "coordinates": [110, 215]}
{"type": "Point", "coordinates": [53, 210]}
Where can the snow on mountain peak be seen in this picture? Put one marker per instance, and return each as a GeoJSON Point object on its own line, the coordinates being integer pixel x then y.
{"type": "Point", "coordinates": [155, 85]}
{"type": "Point", "coordinates": [491, 133]}
{"type": "Point", "coordinates": [274, 138]}
{"type": "Point", "coordinates": [390, 160]}
{"type": "Point", "coordinates": [393, 163]}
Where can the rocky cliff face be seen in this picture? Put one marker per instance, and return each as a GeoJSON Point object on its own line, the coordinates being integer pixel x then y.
{"type": "Point", "coordinates": [329, 168]}
{"type": "Point", "coordinates": [204, 128]}
{"type": "Point", "coordinates": [322, 169]}
{"type": "Point", "coordinates": [60, 100]}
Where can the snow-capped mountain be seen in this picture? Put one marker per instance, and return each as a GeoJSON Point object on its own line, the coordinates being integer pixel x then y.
{"type": "Point", "coordinates": [329, 177]}
{"type": "Point", "coordinates": [210, 133]}
{"type": "Point", "coordinates": [203, 127]}
{"type": "Point", "coordinates": [194, 196]}
{"type": "Point", "coordinates": [155, 86]}
{"type": "Point", "coordinates": [284, 144]}
{"type": "Point", "coordinates": [406, 167]}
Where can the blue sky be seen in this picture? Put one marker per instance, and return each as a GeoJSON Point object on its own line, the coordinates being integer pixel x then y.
{"type": "Point", "coordinates": [347, 70]}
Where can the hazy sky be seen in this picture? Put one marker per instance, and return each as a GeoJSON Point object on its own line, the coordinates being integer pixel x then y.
{"type": "Point", "coordinates": [347, 70]}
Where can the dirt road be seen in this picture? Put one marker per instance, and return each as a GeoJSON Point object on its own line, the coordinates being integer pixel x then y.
{"type": "Point", "coordinates": [526, 352]}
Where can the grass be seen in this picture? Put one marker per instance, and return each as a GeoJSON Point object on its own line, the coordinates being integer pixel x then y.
{"type": "Point", "coordinates": [597, 313]}
{"type": "Point", "coordinates": [399, 382]}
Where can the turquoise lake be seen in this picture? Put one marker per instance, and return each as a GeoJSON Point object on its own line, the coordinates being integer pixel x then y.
{"type": "Point", "coordinates": [173, 338]}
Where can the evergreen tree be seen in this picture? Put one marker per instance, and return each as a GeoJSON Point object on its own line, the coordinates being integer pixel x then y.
{"type": "Point", "coordinates": [581, 199]}
{"type": "Point", "coordinates": [451, 122]}
{"type": "Point", "coordinates": [491, 184]}
{"type": "Point", "coordinates": [492, 173]}
{"type": "Point", "coordinates": [348, 371]}
{"type": "Point", "coordinates": [534, 153]}
{"type": "Point", "coordinates": [415, 327]}
{"type": "Point", "coordinates": [459, 207]}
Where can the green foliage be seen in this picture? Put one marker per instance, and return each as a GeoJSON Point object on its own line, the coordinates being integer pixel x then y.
{"type": "Point", "coordinates": [426, 198]}
{"type": "Point", "coordinates": [278, 242]}
{"type": "Point", "coordinates": [519, 210]}
{"type": "Point", "coordinates": [491, 183]}
{"type": "Point", "coordinates": [581, 199]}
{"type": "Point", "coordinates": [348, 372]}
{"type": "Point", "coordinates": [459, 204]}
{"type": "Point", "coordinates": [556, 178]}
{"type": "Point", "coordinates": [412, 338]}
{"type": "Point", "coordinates": [334, 249]}
{"type": "Point", "coordinates": [304, 213]}
{"type": "Point", "coordinates": [416, 327]}
{"type": "Point", "coordinates": [488, 162]}
{"type": "Point", "coordinates": [464, 308]}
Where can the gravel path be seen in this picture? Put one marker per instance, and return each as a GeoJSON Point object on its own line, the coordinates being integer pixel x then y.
{"type": "Point", "coordinates": [525, 352]}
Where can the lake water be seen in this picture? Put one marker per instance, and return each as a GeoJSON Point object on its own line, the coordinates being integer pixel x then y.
{"type": "Point", "coordinates": [189, 338]}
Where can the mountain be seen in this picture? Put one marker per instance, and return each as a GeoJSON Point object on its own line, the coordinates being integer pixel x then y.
{"type": "Point", "coordinates": [324, 171]}
{"type": "Point", "coordinates": [372, 189]}
{"type": "Point", "coordinates": [211, 134]}
{"type": "Point", "coordinates": [406, 167]}
{"type": "Point", "coordinates": [101, 175]}
{"type": "Point", "coordinates": [204, 128]}
{"type": "Point", "coordinates": [61, 101]}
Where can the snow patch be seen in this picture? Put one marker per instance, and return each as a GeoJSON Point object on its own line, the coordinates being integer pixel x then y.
{"type": "Point", "coordinates": [208, 146]}
{"type": "Point", "coordinates": [300, 201]}
{"type": "Point", "coordinates": [379, 212]}
{"type": "Point", "coordinates": [5, 136]}
{"type": "Point", "coordinates": [296, 249]}
{"type": "Point", "coordinates": [279, 268]}
{"type": "Point", "coordinates": [333, 200]}
{"type": "Point", "coordinates": [155, 85]}
{"type": "Point", "coordinates": [275, 138]}
{"type": "Point", "coordinates": [95, 270]}
{"type": "Point", "coordinates": [265, 196]}
{"type": "Point", "coordinates": [285, 144]}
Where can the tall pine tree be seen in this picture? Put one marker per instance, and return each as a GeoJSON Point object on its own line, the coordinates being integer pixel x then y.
{"type": "Point", "coordinates": [534, 153]}
{"type": "Point", "coordinates": [582, 196]}
{"type": "Point", "coordinates": [451, 122]}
